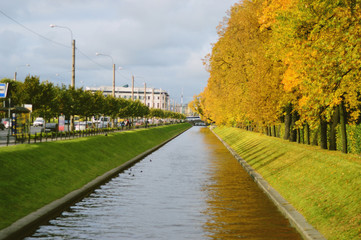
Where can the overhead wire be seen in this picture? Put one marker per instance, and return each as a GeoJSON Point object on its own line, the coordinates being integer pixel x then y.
{"type": "Point", "coordinates": [32, 31]}
{"type": "Point", "coordinates": [50, 40]}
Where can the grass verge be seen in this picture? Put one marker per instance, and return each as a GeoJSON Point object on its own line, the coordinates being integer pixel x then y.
{"type": "Point", "coordinates": [34, 175]}
{"type": "Point", "coordinates": [324, 186]}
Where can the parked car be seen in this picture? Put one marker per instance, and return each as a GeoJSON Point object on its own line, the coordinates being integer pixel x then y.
{"type": "Point", "coordinates": [104, 122]}
{"type": "Point", "coordinates": [139, 123]}
{"type": "Point", "coordinates": [80, 126]}
{"type": "Point", "coordinates": [39, 122]}
{"type": "Point", "coordinates": [51, 127]}
{"type": "Point", "coordinates": [6, 122]}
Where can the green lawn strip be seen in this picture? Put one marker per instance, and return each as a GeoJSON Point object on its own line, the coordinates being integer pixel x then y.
{"type": "Point", "coordinates": [325, 186]}
{"type": "Point", "coordinates": [33, 175]}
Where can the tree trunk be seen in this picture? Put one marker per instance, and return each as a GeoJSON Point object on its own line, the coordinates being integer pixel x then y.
{"type": "Point", "coordinates": [315, 137]}
{"type": "Point", "coordinates": [323, 133]}
{"type": "Point", "coordinates": [333, 125]}
{"type": "Point", "coordinates": [274, 131]}
{"type": "Point", "coordinates": [287, 123]}
{"type": "Point", "coordinates": [308, 134]}
{"type": "Point", "coordinates": [343, 127]}
{"type": "Point", "coordinates": [293, 134]}
{"type": "Point", "coordinates": [298, 135]}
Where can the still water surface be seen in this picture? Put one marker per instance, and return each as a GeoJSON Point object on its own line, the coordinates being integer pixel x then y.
{"type": "Point", "coordinates": [192, 188]}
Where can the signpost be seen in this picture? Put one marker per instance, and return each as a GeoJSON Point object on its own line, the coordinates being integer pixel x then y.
{"type": "Point", "coordinates": [3, 90]}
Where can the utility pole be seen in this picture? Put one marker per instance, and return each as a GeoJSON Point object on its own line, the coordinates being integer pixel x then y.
{"type": "Point", "coordinates": [72, 80]}
{"type": "Point", "coordinates": [181, 111]}
{"type": "Point", "coordinates": [152, 98]}
{"type": "Point", "coordinates": [145, 93]}
{"type": "Point", "coordinates": [132, 87]}
{"type": "Point", "coordinates": [73, 66]}
{"type": "Point", "coordinates": [160, 97]}
{"type": "Point", "coordinates": [113, 80]}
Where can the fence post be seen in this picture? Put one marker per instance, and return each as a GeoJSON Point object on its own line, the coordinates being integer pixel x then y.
{"type": "Point", "coordinates": [7, 140]}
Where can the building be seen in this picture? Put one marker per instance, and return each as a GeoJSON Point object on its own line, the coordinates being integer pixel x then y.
{"type": "Point", "coordinates": [151, 97]}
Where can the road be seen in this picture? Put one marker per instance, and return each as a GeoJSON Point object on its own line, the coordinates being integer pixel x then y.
{"type": "Point", "coordinates": [4, 133]}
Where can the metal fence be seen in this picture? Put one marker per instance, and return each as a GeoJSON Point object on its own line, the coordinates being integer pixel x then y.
{"type": "Point", "coordinates": [8, 139]}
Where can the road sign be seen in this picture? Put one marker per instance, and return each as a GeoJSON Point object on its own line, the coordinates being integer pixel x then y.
{"type": "Point", "coordinates": [3, 90]}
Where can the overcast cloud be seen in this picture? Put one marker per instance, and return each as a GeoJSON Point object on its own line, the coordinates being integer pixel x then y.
{"type": "Point", "coordinates": [160, 42]}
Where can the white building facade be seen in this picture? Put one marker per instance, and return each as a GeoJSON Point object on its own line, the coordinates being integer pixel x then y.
{"type": "Point", "coordinates": [151, 97]}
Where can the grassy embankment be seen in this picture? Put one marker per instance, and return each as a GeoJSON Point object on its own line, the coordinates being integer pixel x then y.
{"type": "Point", "coordinates": [325, 186]}
{"type": "Point", "coordinates": [34, 175]}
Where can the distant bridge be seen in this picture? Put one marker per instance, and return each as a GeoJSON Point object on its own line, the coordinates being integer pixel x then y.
{"type": "Point", "coordinates": [195, 120]}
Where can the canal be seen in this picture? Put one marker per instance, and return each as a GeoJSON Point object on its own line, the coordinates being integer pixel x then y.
{"type": "Point", "coordinates": [191, 188]}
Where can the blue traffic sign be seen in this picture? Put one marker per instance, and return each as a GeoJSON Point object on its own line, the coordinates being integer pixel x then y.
{"type": "Point", "coordinates": [3, 90]}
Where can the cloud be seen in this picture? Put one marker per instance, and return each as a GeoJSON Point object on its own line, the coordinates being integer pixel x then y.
{"type": "Point", "coordinates": [161, 42]}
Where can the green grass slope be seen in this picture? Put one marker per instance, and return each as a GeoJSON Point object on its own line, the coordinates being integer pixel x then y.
{"type": "Point", "coordinates": [34, 175]}
{"type": "Point", "coordinates": [324, 186]}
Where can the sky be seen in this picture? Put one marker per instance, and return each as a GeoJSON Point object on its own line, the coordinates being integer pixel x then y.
{"type": "Point", "coordinates": [159, 42]}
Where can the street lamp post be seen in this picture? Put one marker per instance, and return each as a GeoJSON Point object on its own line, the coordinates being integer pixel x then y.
{"type": "Point", "coordinates": [113, 91]}
{"type": "Point", "coordinates": [101, 54]}
{"type": "Point", "coordinates": [16, 72]}
{"type": "Point", "coordinates": [72, 66]}
{"type": "Point", "coordinates": [73, 53]}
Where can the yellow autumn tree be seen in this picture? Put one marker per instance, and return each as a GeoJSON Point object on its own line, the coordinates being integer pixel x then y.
{"type": "Point", "coordinates": [244, 85]}
{"type": "Point", "coordinates": [319, 41]}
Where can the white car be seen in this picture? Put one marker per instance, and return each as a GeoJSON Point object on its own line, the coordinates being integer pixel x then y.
{"type": "Point", "coordinates": [104, 122]}
{"type": "Point", "coordinates": [39, 122]}
{"type": "Point", "coordinates": [80, 126]}
{"type": "Point", "coordinates": [6, 122]}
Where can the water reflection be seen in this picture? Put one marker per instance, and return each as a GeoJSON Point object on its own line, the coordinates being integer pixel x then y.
{"type": "Point", "coordinates": [236, 207]}
{"type": "Point", "coordinates": [190, 189]}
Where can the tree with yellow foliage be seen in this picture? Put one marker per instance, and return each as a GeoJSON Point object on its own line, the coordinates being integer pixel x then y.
{"type": "Point", "coordinates": [324, 59]}
{"type": "Point", "coordinates": [243, 87]}
{"type": "Point", "coordinates": [297, 60]}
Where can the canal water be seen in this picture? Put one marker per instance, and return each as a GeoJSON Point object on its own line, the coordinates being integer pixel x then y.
{"type": "Point", "coordinates": [192, 188]}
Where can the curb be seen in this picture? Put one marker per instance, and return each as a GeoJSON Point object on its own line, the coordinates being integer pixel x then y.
{"type": "Point", "coordinates": [28, 224]}
{"type": "Point", "coordinates": [296, 219]}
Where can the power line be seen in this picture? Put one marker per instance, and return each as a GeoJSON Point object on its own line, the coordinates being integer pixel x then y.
{"type": "Point", "coordinates": [50, 40]}
{"type": "Point", "coordinates": [32, 31]}
{"type": "Point", "coordinates": [90, 59]}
